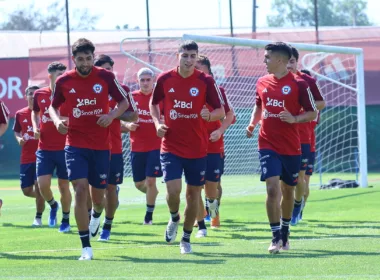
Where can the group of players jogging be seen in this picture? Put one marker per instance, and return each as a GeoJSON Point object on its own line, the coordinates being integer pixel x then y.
{"type": "Point", "coordinates": [176, 124]}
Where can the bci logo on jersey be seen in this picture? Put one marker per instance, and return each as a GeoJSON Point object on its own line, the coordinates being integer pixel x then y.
{"type": "Point", "coordinates": [286, 90]}
{"type": "Point", "coordinates": [194, 91]}
{"type": "Point", "coordinates": [84, 102]}
{"type": "Point", "coordinates": [274, 102]}
{"type": "Point", "coordinates": [182, 104]}
{"type": "Point", "coordinates": [97, 88]}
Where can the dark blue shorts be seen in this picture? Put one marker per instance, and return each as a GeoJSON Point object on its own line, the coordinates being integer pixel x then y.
{"type": "Point", "coordinates": [310, 166]}
{"type": "Point", "coordinates": [88, 164]}
{"type": "Point", "coordinates": [116, 174]}
{"type": "Point", "coordinates": [173, 166]}
{"type": "Point", "coordinates": [145, 164]}
{"type": "Point", "coordinates": [273, 164]}
{"type": "Point", "coordinates": [215, 166]}
{"type": "Point", "coordinates": [47, 161]}
{"type": "Point", "coordinates": [305, 148]}
{"type": "Point", "coordinates": [27, 174]}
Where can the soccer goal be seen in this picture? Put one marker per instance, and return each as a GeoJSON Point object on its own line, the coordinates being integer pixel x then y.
{"type": "Point", "coordinates": [237, 64]}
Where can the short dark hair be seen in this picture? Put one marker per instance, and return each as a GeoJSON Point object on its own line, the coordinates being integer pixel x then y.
{"type": "Point", "coordinates": [32, 87]}
{"type": "Point", "coordinates": [307, 72]}
{"type": "Point", "coordinates": [188, 45]}
{"type": "Point", "coordinates": [102, 59]}
{"type": "Point", "coordinates": [280, 47]}
{"type": "Point", "coordinates": [295, 53]}
{"type": "Point", "coordinates": [56, 65]}
{"type": "Point", "coordinates": [202, 59]}
{"type": "Point", "coordinates": [82, 45]}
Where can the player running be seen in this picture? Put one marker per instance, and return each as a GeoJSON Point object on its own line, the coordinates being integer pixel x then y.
{"type": "Point", "coordinates": [4, 122]}
{"type": "Point", "coordinates": [280, 95]}
{"type": "Point", "coordinates": [184, 92]}
{"type": "Point", "coordinates": [50, 153]}
{"type": "Point", "coordinates": [23, 131]}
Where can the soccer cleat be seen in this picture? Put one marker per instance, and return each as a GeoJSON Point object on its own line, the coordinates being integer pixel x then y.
{"type": "Point", "coordinates": [201, 233]}
{"type": "Point", "coordinates": [64, 227]}
{"type": "Point", "coordinates": [1, 204]}
{"type": "Point", "coordinates": [295, 216]}
{"type": "Point", "coordinates": [37, 222]}
{"type": "Point", "coordinates": [104, 235]}
{"type": "Point", "coordinates": [213, 208]}
{"type": "Point", "coordinates": [94, 226]}
{"type": "Point", "coordinates": [146, 223]}
{"type": "Point", "coordinates": [171, 231]}
{"type": "Point", "coordinates": [86, 254]}
{"type": "Point", "coordinates": [215, 222]}
{"type": "Point", "coordinates": [52, 219]}
{"type": "Point", "coordinates": [185, 247]}
{"type": "Point", "coordinates": [207, 218]}
{"type": "Point", "coordinates": [285, 247]}
{"type": "Point", "coordinates": [274, 247]}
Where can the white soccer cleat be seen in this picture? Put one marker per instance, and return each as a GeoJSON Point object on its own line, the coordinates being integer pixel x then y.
{"type": "Point", "coordinates": [86, 254]}
{"type": "Point", "coordinates": [201, 233]}
{"type": "Point", "coordinates": [213, 208]}
{"type": "Point", "coordinates": [37, 222]}
{"type": "Point", "coordinates": [171, 231]}
{"type": "Point", "coordinates": [185, 247]}
{"type": "Point", "coordinates": [94, 226]}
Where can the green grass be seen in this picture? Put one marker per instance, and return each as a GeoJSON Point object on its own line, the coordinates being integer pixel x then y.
{"type": "Point", "coordinates": [338, 239]}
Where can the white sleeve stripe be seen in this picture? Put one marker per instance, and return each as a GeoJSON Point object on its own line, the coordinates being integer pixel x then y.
{"type": "Point", "coordinates": [220, 94]}
{"type": "Point", "coordinates": [133, 103]}
{"type": "Point", "coordinates": [311, 98]}
{"type": "Point", "coordinates": [5, 111]}
{"type": "Point", "coordinates": [228, 101]}
{"type": "Point", "coordinates": [124, 94]}
{"type": "Point", "coordinates": [319, 89]}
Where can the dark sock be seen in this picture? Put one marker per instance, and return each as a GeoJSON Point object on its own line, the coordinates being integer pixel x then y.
{"type": "Point", "coordinates": [285, 228]}
{"type": "Point", "coordinates": [206, 206]}
{"type": "Point", "coordinates": [53, 204]}
{"type": "Point", "coordinates": [186, 235]}
{"type": "Point", "coordinates": [38, 215]}
{"type": "Point", "coordinates": [107, 223]}
{"type": "Point", "coordinates": [66, 217]}
{"type": "Point", "coordinates": [149, 213]}
{"type": "Point", "coordinates": [85, 238]}
{"type": "Point", "coordinates": [96, 214]}
{"type": "Point", "coordinates": [297, 203]}
{"type": "Point", "coordinates": [275, 227]}
{"type": "Point", "coordinates": [175, 216]}
{"type": "Point", "coordinates": [89, 214]}
{"type": "Point", "coordinates": [201, 224]}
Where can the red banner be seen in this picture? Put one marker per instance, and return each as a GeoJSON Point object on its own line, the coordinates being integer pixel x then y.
{"type": "Point", "coordinates": [14, 75]}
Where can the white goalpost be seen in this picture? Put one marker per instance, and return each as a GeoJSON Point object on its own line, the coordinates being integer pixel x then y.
{"type": "Point", "coordinates": [341, 149]}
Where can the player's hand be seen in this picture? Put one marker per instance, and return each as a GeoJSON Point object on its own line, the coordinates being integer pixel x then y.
{"type": "Point", "coordinates": [161, 130]}
{"type": "Point", "coordinates": [132, 126]}
{"type": "Point", "coordinates": [104, 120]}
{"type": "Point", "coordinates": [286, 116]}
{"type": "Point", "coordinates": [205, 113]}
{"type": "Point", "coordinates": [215, 135]}
{"type": "Point", "coordinates": [21, 141]}
{"type": "Point", "coordinates": [37, 134]}
{"type": "Point", "coordinates": [61, 126]}
{"type": "Point", "coordinates": [249, 130]}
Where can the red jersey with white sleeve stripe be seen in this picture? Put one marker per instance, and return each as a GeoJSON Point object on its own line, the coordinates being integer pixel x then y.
{"type": "Point", "coordinates": [4, 113]}
{"type": "Point", "coordinates": [273, 95]}
{"type": "Point", "coordinates": [23, 125]}
{"type": "Point", "coordinates": [183, 100]}
{"type": "Point", "coordinates": [87, 98]}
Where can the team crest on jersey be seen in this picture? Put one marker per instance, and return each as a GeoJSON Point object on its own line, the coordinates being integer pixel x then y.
{"type": "Point", "coordinates": [286, 90]}
{"type": "Point", "coordinates": [194, 91]}
{"type": "Point", "coordinates": [97, 88]}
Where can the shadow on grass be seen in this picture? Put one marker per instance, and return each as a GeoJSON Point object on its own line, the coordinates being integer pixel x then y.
{"type": "Point", "coordinates": [177, 260]}
{"type": "Point", "coordinates": [342, 196]}
{"type": "Point", "coordinates": [29, 257]}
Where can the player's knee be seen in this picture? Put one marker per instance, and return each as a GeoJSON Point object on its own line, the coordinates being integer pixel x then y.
{"type": "Point", "coordinates": [141, 186]}
{"type": "Point", "coordinates": [28, 191]}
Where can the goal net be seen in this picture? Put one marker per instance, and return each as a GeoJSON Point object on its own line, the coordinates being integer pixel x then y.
{"type": "Point", "coordinates": [238, 63]}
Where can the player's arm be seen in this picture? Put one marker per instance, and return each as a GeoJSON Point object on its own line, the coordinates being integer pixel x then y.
{"type": "Point", "coordinates": [214, 98]}
{"type": "Point", "coordinates": [123, 127]}
{"type": "Point", "coordinates": [158, 95]}
{"type": "Point", "coordinates": [256, 115]}
{"type": "Point", "coordinates": [131, 114]}
{"type": "Point", "coordinates": [4, 121]}
{"type": "Point", "coordinates": [318, 98]}
{"type": "Point", "coordinates": [35, 117]}
{"type": "Point", "coordinates": [57, 100]}
{"type": "Point", "coordinates": [17, 131]}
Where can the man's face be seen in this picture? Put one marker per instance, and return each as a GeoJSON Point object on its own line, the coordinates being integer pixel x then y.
{"type": "Point", "coordinates": [56, 74]}
{"type": "Point", "coordinates": [107, 66]}
{"type": "Point", "coordinates": [202, 67]}
{"type": "Point", "coordinates": [146, 83]}
{"type": "Point", "coordinates": [187, 59]}
{"type": "Point", "coordinates": [84, 61]}
{"type": "Point", "coordinates": [271, 61]}
{"type": "Point", "coordinates": [292, 65]}
{"type": "Point", "coordinates": [29, 96]}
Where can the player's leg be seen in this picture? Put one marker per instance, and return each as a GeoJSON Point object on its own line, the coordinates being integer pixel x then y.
{"type": "Point", "coordinates": [270, 173]}
{"type": "Point", "coordinates": [152, 171]}
{"type": "Point", "coordinates": [172, 172]}
{"type": "Point", "coordinates": [212, 180]}
{"type": "Point", "coordinates": [308, 174]}
{"type": "Point", "coordinates": [64, 189]}
{"type": "Point", "coordinates": [219, 166]}
{"type": "Point", "coordinates": [202, 229]}
{"type": "Point", "coordinates": [195, 171]}
{"type": "Point", "coordinates": [40, 202]}
{"type": "Point", "coordinates": [138, 163]}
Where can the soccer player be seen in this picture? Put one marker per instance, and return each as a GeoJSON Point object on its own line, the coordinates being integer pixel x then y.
{"type": "Point", "coordinates": [50, 153]}
{"type": "Point", "coordinates": [184, 92]}
{"type": "Point", "coordinates": [23, 131]}
{"type": "Point", "coordinates": [116, 171]}
{"type": "Point", "coordinates": [280, 95]}
{"type": "Point", "coordinates": [145, 144]}
{"type": "Point", "coordinates": [215, 155]}
{"type": "Point", "coordinates": [4, 114]}
{"type": "Point", "coordinates": [85, 91]}
{"type": "Point", "coordinates": [305, 136]}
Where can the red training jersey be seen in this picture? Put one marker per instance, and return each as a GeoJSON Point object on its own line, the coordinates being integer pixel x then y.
{"type": "Point", "coordinates": [217, 146]}
{"type": "Point", "coordinates": [87, 98]}
{"type": "Point", "coordinates": [115, 127]}
{"type": "Point", "coordinates": [313, 125]}
{"type": "Point", "coordinates": [183, 100]}
{"type": "Point", "coordinates": [4, 113]}
{"type": "Point", "coordinates": [272, 95]}
{"type": "Point", "coordinates": [23, 125]}
{"type": "Point", "coordinates": [145, 138]}
{"type": "Point", "coordinates": [50, 138]}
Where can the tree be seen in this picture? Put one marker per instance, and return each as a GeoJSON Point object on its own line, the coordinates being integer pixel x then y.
{"type": "Point", "coordinates": [330, 13]}
{"type": "Point", "coordinates": [31, 19]}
